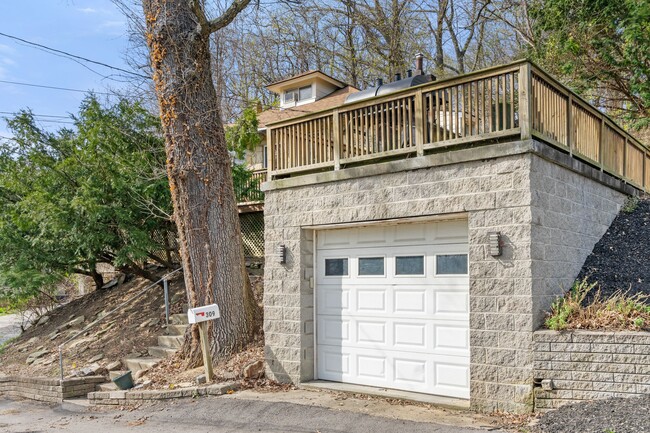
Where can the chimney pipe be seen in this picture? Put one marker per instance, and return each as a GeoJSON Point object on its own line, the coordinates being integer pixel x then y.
{"type": "Point", "coordinates": [379, 82]}
{"type": "Point", "coordinates": [419, 68]}
{"type": "Point", "coordinates": [409, 73]}
{"type": "Point", "coordinates": [398, 77]}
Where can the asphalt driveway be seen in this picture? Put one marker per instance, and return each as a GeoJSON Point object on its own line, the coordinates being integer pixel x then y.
{"type": "Point", "coordinates": [9, 327]}
{"type": "Point", "coordinates": [215, 415]}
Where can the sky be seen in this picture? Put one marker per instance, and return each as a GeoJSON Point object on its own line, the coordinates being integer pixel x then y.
{"type": "Point", "coordinates": [94, 29]}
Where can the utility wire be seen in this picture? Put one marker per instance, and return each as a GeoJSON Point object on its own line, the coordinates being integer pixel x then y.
{"type": "Point", "coordinates": [54, 87]}
{"type": "Point", "coordinates": [54, 50]}
{"type": "Point", "coordinates": [38, 115]}
{"type": "Point", "coordinates": [42, 120]}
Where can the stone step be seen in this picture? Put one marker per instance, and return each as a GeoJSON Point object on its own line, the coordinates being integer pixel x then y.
{"type": "Point", "coordinates": [161, 352]}
{"type": "Point", "coordinates": [176, 329]}
{"type": "Point", "coordinates": [178, 319]}
{"type": "Point", "coordinates": [172, 341]}
{"type": "Point", "coordinates": [108, 386]}
{"type": "Point", "coordinates": [137, 364]}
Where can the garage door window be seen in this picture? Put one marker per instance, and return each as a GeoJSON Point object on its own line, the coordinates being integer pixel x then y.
{"type": "Point", "coordinates": [409, 265]}
{"type": "Point", "coordinates": [371, 266]}
{"type": "Point", "coordinates": [336, 267]}
{"type": "Point", "coordinates": [451, 264]}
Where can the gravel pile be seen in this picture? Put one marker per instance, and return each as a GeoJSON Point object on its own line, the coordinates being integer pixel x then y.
{"type": "Point", "coordinates": [619, 260]}
{"type": "Point", "coordinates": [618, 415]}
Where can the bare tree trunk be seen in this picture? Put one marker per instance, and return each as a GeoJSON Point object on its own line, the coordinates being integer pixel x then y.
{"type": "Point", "coordinates": [198, 166]}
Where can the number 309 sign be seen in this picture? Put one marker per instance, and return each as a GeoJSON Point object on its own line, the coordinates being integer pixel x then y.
{"type": "Point", "coordinates": [202, 314]}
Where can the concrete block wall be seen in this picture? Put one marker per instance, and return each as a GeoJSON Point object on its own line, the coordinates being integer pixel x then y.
{"type": "Point", "coordinates": [570, 213]}
{"type": "Point", "coordinates": [590, 365]}
{"type": "Point", "coordinates": [549, 216]}
{"type": "Point", "coordinates": [492, 195]}
{"type": "Point", "coordinates": [47, 390]}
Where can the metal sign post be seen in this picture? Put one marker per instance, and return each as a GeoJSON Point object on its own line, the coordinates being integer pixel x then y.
{"type": "Point", "coordinates": [201, 315]}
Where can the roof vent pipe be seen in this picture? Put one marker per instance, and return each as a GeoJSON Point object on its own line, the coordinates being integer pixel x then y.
{"type": "Point", "coordinates": [409, 73]}
{"type": "Point", "coordinates": [379, 82]}
{"type": "Point", "coordinates": [398, 77]}
{"type": "Point", "coordinates": [419, 60]}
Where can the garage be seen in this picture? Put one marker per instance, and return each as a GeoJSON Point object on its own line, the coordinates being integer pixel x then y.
{"type": "Point", "coordinates": [392, 306]}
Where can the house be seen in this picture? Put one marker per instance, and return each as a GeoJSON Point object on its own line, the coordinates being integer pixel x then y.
{"type": "Point", "coordinates": [304, 93]}
{"type": "Point", "coordinates": [414, 238]}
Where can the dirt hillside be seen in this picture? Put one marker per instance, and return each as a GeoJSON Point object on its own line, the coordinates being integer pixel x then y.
{"type": "Point", "coordinates": [130, 330]}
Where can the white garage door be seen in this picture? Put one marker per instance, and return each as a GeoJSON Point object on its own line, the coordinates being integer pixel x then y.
{"type": "Point", "coordinates": [392, 307]}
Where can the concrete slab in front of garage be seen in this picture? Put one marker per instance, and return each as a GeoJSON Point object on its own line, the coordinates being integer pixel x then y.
{"type": "Point", "coordinates": [453, 403]}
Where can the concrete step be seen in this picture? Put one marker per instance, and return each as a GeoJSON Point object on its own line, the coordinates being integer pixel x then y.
{"type": "Point", "coordinates": [172, 341]}
{"type": "Point", "coordinates": [137, 364]}
{"type": "Point", "coordinates": [178, 319]}
{"type": "Point", "coordinates": [108, 386]}
{"type": "Point", "coordinates": [176, 329]}
{"type": "Point", "coordinates": [161, 352]}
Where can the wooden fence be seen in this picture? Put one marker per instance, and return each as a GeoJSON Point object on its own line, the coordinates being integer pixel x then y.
{"type": "Point", "coordinates": [518, 101]}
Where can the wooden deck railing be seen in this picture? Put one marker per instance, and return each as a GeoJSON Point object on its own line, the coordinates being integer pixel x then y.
{"type": "Point", "coordinates": [518, 101]}
{"type": "Point", "coordinates": [249, 191]}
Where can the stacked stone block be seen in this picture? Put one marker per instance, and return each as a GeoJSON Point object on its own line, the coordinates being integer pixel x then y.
{"type": "Point", "coordinates": [47, 390]}
{"type": "Point", "coordinates": [590, 365]}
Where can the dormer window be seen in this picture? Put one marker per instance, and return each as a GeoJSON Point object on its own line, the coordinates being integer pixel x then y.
{"type": "Point", "coordinates": [297, 94]}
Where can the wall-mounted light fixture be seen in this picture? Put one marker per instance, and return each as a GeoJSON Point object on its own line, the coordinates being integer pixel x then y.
{"type": "Point", "coordinates": [282, 254]}
{"type": "Point", "coordinates": [496, 244]}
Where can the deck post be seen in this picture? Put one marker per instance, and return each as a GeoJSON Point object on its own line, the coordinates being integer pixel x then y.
{"type": "Point", "coordinates": [270, 154]}
{"type": "Point", "coordinates": [336, 127]}
{"type": "Point", "coordinates": [419, 123]}
{"type": "Point", "coordinates": [601, 143]}
{"type": "Point", "coordinates": [525, 101]}
{"type": "Point", "coordinates": [569, 115]}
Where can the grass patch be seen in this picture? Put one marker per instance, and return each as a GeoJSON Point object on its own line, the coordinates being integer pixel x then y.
{"type": "Point", "coordinates": [630, 204]}
{"type": "Point", "coordinates": [621, 311]}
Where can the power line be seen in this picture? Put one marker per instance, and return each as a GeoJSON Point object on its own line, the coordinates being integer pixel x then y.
{"type": "Point", "coordinates": [38, 115]}
{"type": "Point", "coordinates": [44, 120]}
{"type": "Point", "coordinates": [54, 87]}
{"type": "Point", "coordinates": [54, 50]}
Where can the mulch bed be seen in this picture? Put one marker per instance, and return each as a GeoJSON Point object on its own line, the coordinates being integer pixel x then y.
{"type": "Point", "coordinates": [618, 415]}
{"type": "Point", "coordinates": [619, 260]}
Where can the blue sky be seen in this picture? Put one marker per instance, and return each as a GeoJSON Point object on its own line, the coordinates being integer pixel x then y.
{"type": "Point", "coordinates": [95, 29]}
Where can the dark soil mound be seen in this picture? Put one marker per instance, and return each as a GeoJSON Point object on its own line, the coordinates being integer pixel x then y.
{"type": "Point", "coordinates": [620, 260]}
{"type": "Point", "coordinates": [619, 415]}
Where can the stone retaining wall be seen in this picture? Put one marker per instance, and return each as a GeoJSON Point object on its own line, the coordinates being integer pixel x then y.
{"type": "Point", "coordinates": [104, 398]}
{"type": "Point", "coordinates": [48, 390]}
{"type": "Point", "coordinates": [573, 366]}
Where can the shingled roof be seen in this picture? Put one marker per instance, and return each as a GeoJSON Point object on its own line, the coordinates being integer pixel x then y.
{"type": "Point", "coordinates": [332, 100]}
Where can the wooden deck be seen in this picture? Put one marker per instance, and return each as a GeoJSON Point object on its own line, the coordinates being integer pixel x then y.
{"type": "Point", "coordinates": [518, 101]}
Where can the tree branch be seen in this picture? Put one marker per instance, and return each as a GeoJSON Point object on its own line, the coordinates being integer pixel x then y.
{"type": "Point", "coordinates": [227, 17]}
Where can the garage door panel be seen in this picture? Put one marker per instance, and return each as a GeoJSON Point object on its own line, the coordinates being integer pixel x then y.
{"type": "Point", "coordinates": [407, 335]}
{"type": "Point", "coordinates": [334, 330]}
{"type": "Point", "coordinates": [411, 336]}
{"type": "Point", "coordinates": [371, 332]}
{"type": "Point", "coordinates": [410, 300]}
{"type": "Point", "coordinates": [427, 373]}
{"type": "Point", "coordinates": [450, 339]}
{"type": "Point", "coordinates": [451, 303]}
{"type": "Point", "coordinates": [391, 319]}
{"type": "Point", "coordinates": [332, 300]}
{"type": "Point", "coordinates": [372, 367]}
{"type": "Point", "coordinates": [372, 300]}
{"type": "Point", "coordinates": [451, 376]}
